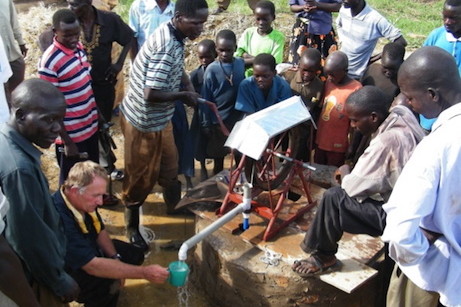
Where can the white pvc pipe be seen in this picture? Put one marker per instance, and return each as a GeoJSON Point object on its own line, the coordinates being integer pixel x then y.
{"type": "Point", "coordinates": [244, 206]}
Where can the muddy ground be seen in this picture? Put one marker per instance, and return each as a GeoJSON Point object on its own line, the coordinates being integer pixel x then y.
{"type": "Point", "coordinates": [34, 17]}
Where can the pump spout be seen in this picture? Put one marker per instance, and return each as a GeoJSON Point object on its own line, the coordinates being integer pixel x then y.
{"type": "Point", "coordinates": [244, 206]}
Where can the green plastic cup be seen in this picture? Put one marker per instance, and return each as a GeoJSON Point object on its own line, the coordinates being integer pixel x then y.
{"type": "Point", "coordinates": [179, 270]}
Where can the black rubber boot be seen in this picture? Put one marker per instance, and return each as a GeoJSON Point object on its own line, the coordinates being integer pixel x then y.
{"type": "Point", "coordinates": [172, 196]}
{"type": "Point", "coordinates": [132, 227]}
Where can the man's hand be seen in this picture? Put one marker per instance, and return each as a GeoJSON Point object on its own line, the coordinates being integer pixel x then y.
{"type": "Point", "coordinates": [23, 50]}
{"type": "Point", "coordinates": [112, 72]}
{"type": "Point", "coordinates": [342, 171]}
{"type": "Point", "coordinates": [156, 273]}
{"type": "Point", "coordinates": [71, 293]}
{"type": "Point", "coordinates": [190, 98]}
{"type": "Point", "coordinates": [311, 5]}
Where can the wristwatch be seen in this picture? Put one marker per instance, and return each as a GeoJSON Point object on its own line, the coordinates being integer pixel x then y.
{"type": "Point", "coordinates": [116, 256]}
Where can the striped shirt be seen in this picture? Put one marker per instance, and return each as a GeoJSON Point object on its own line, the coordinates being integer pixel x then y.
{"type": "Point", "coordinates": [69, 71]}
{"type": "Point", "coordinates": [159, 66]}
{"type": "Point", "coordinates": [359, 34]}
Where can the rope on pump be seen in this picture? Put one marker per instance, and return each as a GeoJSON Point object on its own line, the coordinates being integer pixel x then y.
{"type": "Point", "coordinates": [271, 258]}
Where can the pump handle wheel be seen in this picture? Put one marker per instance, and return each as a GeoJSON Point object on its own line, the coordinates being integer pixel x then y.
{"type": "Point", "coordinates": [270, 171]}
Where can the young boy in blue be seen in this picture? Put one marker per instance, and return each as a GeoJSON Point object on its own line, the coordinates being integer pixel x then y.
{"type": "Point", "coordinates": [264, 88]}
{"type": "Point", "coordinates": [220, 85]}
{"type": "Point", "coordinates": [206, 52]}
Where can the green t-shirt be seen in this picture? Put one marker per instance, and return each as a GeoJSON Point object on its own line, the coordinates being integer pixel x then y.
{"type": "Point", "coordinates": [253, 43]}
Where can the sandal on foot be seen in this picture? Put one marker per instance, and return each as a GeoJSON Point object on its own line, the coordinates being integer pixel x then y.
{"type": "Point", "coordinates": [313, 266]}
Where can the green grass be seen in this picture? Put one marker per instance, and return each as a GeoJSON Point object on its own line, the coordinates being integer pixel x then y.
{"type": "Point", "coordinates": [416, 18]}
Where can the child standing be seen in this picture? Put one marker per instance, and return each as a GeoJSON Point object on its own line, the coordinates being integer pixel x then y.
{"type": "Point", "coordinates": [307, 84]}
{"type": "Point", "coordinates": [206, 52]}
{"type": "Point", "coordinates": [261, 39]}
{"type": "Point", "coordinates": [264, 88]}
{"type": "Point", "coordinates": [220, 84]}
{"type": "Point", "coordinates": [333, 123]}
{"type": "Point", "coordinates": [313, 27]}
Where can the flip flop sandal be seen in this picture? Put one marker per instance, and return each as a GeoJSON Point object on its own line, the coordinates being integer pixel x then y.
{"type": "Point", "coordinates": [315, 262]}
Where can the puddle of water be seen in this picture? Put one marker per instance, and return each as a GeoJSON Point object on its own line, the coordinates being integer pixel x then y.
{"type": "Point", "coordinates": [167, 229]}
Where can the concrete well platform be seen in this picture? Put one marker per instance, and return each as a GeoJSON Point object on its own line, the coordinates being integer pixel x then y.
{"type": "Point", "coordinates": [232, 267]}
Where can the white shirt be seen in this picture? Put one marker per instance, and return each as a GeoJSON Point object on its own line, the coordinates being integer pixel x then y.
{"type": "Point", "coordinates": [10, 30]}
{"type": "Point", "coordinates": [428, 194]}
{"type": "Point", "coordinates": [358, 36]}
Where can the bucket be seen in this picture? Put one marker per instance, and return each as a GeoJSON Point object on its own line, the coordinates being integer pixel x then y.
{"type": "Point", "coordinates": [179, 270]}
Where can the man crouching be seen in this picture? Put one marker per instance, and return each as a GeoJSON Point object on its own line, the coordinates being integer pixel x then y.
{"type": "Point", "coordinates": [96, 262]}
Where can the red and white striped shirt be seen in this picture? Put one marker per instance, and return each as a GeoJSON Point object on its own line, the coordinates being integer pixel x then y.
{"type": "Point", "coordinates": [69, 71]}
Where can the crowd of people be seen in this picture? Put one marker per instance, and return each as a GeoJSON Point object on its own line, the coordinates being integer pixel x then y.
{"type": "Point", "coordinates": [384, 121]}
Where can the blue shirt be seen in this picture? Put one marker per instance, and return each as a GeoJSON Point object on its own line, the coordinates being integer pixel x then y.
{"type": "Point", "coordinates": [217, 88]}
{"type": "Point", "coordinates": [250, 98]}
{"type": "Point", "coordinates": [320, 22]}
{"type": "Point", "coordinates": [445, 40]}
{"type": "Point", "coordinates": [145, 16]}
{"type": "Point", "coordinates": [81, 247]}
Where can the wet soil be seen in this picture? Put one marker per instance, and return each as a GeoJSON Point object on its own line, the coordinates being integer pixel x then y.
{"type": "Point", "coordinates": [35, 17]}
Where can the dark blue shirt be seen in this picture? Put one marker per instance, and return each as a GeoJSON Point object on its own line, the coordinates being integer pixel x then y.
{"type": "Point", "coordinates": [81, 247]}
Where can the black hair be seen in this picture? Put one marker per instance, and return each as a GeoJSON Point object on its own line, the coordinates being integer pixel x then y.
{"type": "Point", "coordinates": [189, 8]}
{"type": "Point", "coordinates": [313, 54]}
{"type": "Point", "coordinates": [65, 16]}
{"type": "Point", "coordinates": [339, 59]}
{"type": "Point", "coordinates": [394, 51]}
{"type": "Point", "coordinates": [26, 94]}
{"type": "Point", "coordinates": [430, 66]}
{"type": "Point", "coordinates": [453, 3]}
{"type": "Point", "coordinates": [227, 34]}
{"type": "Point", "coordinates": [369, 99]}
{"type": "Point", "coordinates": [268, 5]}
{"type": "Point", "coordinates": [209, 45]}
{"type": "Point", "coordinates": [265, 59]}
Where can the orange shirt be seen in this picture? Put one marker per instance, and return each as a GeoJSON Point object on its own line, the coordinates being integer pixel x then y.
{"type": "Point", "coordinates": [333, 123]}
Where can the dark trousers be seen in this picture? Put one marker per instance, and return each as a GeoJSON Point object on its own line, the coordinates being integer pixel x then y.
{"type": "Point", "coordinates": [104, 94]}
{"type": "Point", "coordinates": [338, 213]}
{"type": "Point", "coordinates": [89, 146]}
{"type": "Point", "coordinates": [104, 292]}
